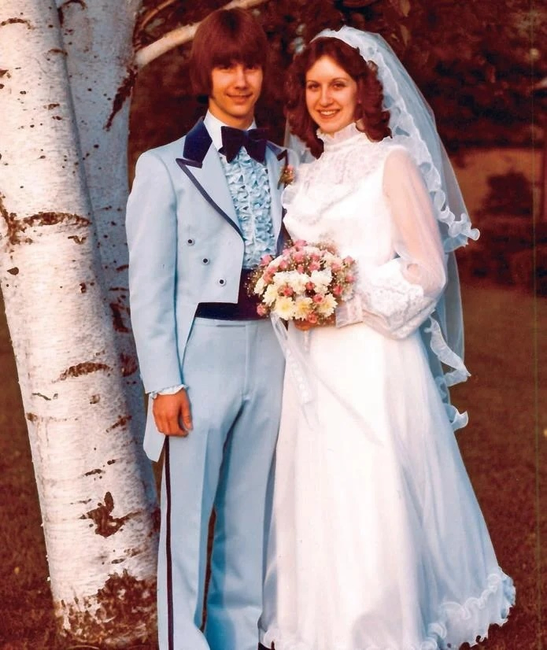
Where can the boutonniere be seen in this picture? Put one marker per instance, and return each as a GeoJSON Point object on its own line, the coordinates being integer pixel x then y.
{"type": "Point", "coordinates": [287, 172]}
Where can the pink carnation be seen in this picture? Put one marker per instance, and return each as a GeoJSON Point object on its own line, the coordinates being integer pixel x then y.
{"type": "Point", "coordinates": [310, 286]}
{"type": "Point", "coordinates": [261, 310]}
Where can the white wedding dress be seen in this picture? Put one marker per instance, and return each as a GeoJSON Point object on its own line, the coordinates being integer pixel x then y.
{"type": "Point", "coordinates": [377, 541]}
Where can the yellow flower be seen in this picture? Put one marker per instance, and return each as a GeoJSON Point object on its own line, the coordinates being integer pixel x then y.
{"type": "Point", "coordinates": [302, 307]}
{"type": "Point", "coordinates": [284, 307]}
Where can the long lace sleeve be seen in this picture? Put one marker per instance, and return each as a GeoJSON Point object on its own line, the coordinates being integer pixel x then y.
{"type": "Point", "coordinates": [396, 297]}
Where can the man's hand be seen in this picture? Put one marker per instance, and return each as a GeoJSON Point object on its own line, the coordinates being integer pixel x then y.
{"type": "Point", "coordinates": [172, 414]}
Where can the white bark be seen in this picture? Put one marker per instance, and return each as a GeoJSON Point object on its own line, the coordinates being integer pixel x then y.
{"type": "Point", "coordinates": [98, 39]}
{"type": "Point", "coordinates": [94, 499]}
{"type": "Point", "coordinates": [182, 35]}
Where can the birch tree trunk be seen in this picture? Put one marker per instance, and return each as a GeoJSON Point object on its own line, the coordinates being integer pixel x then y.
{"type": "Point", "coordinates": [94, 497]}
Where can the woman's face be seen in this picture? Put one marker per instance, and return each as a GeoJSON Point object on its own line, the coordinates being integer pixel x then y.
{"type": "Point", "coordinates": [331, 95]}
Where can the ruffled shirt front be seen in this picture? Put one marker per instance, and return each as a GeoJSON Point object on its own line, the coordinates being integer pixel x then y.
{"type": "Point", "coordinates": [249, 187]}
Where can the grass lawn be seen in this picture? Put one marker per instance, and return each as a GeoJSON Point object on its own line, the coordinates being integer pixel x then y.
{"type": "Point", "coordinates": [504, 446]}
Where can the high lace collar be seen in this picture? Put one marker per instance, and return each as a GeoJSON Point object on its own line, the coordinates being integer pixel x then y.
{"type": "Point", "coordinates": [349, 134]}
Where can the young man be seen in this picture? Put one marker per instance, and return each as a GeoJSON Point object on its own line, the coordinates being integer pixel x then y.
{"type": "Point", "coordinates": [202, 212]}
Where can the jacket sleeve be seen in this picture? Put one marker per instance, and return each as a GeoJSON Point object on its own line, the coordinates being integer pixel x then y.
{"type": "Point", "coordinates": [152, 240]}
{"type": "Point", "coordinates": [395, 298]}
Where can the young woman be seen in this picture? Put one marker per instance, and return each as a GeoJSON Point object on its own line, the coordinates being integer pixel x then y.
{"type": "Point", "coordinates": [377, 541]}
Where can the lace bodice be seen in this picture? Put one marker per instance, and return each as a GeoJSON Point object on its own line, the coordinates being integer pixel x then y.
{"type": "Point", "coordinates": [368, 198]}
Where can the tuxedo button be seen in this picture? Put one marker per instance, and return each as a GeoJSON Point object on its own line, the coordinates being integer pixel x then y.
{"type": "Point", "coordinates": [222, 282]}
{"type": "Point", "coordinates": [190, 241]}
{"type": "Point", "coordinates": [205, 260]}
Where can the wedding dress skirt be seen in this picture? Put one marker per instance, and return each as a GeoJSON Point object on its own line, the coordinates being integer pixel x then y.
{"type": "Point", "coordinates": [377, 540]}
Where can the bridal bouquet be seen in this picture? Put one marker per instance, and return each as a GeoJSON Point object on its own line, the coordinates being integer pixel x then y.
{"type": "Point", "coordinates": [306, 282]}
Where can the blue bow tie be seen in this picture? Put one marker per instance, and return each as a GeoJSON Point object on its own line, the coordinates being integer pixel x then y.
{"type": "Point", "coordinates": [254, 141]}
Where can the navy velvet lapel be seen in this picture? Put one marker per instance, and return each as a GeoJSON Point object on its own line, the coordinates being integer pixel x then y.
{"type": "Point", "coordinates": [196, 146]}
{"type": "Point", "coordinates": [208, 175]}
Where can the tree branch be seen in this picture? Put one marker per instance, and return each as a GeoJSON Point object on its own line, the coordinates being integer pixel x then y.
{"type": "Point", "coordinates": [150, 15]}
{"type": "Point", "coordinates": [181, 35]}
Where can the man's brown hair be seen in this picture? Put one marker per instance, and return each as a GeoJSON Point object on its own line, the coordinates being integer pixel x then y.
{"type": "Point", "coordinates": [226, 36]}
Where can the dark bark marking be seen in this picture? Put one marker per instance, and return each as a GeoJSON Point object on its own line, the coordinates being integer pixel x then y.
{"type": "Point", "coordinates": [13, 21]}
{"type": "Point", "coordinates": [54, 218]}
{"type": "Point", "coordinates": [57, 50]}
{"type": "Point", "coordinates": [117, 317]}
{"type": "Point", "coordinates": [85, 368]}
{"type": "Point", "coordinates": [31, 417]}
{"type": "Point", "coordinates": [123, 267]}
{"type": "Point", "coordinates": [130, 365]}
{"type": "Point", "coordinates": [94, 399]}
{"type": "Point", "coordinates": [120, 422]}
{"type": "Point", "coordinates": [94, 471]}
{"type": "Point", "coordinates": [13, 226]}
{"type": "Point", "coordinates": [127, 607]}
{"type": "Point", "coordinates": [83, 287]}
{"type": "Point", "coordinates": [3, 72]}
{"type": "Point", "coordinates": [61, 8]}
{"type": "Point", "coordinates": [105, 524]}
{"type": "Point", "coordinates": [50, 107]}
{"type": "Point", "coordinates": [124, 91]}
{"type": "Point", "coordinates": [13, 271]}
{"type": "Point", "coordinates": [110, 462]}
{"type": "Point", "coordinates": [48, 399]}
{"type": "Point", "coordinates": [77, 240]}
{"type": "Point", "coordinates": [16, 227]}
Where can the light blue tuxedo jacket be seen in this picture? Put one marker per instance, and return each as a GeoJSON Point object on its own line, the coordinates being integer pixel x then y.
{"type": "Point", "coordinates": [185, 247]}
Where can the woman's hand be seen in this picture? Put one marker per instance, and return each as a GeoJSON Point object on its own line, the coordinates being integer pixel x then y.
{"type": "Point", "coordinates": [172, 414]}
{"type": "Point", "coordinates": [305, 326]}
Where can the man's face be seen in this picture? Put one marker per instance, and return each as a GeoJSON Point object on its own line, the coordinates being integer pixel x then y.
{"type": "Point", "coordinates": [235, 89]}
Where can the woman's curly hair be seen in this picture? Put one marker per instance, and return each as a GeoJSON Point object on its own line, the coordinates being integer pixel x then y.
{"type": "Point", "coordinates": [370, 95]}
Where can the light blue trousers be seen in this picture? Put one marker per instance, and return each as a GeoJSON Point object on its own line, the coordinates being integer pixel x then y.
{"type": "Point", "coordinates": [234, 374]}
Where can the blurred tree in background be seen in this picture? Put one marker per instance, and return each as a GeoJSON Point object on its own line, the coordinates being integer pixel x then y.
{"type": "Point", "coordinates": [475, 61]}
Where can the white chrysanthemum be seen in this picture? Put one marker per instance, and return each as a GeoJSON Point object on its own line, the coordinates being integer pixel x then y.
{"type": "Point", "coordinates": [260, 286]}
{"type": "Point", "coordinates": [270, 295]}
{"type": "Point", "coordinates": [297, 281]}
{"type": "Point", "coordinates": [302, 307]}
{"type": "Point", "coordinates": [280, 278]}
{"type": "Point", "coordinates": [321, 279]}
{"type": "Point", "coordinates": [327, 306]}
{"type": "Point", "coordinates": [284, 307]}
